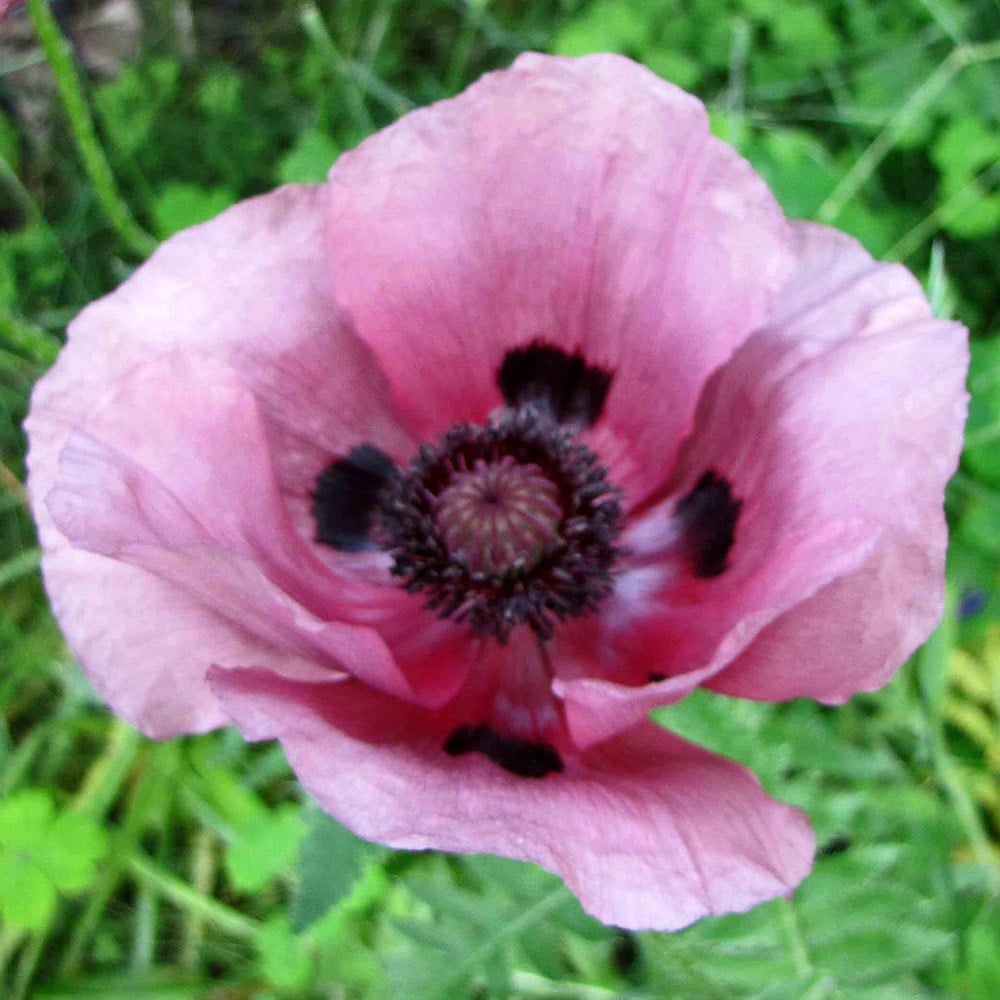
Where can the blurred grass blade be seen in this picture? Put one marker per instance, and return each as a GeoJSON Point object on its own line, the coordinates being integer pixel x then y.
{"type": "Point", "coordinates": [19, 566]}
{"type": "Point", "coordinates": [95, 163]}
{"type": "Point", "coordinates": [29, 338]}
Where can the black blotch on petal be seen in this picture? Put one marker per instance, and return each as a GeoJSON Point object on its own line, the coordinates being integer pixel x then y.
{"type": "Point", "coordinates": [521, 757]}
{"type": "Point", "coordinates": [708, 516]}
{"type": "Point", "coordinates": [346, 495]}
{"type": "Point", "coordinates": [656, 678]}
{"type": "Point", "coordinates": [562, 384]}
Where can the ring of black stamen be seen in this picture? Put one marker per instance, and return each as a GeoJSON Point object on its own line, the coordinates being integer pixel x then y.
{"type": "Point", "coordinates": [567, 578]}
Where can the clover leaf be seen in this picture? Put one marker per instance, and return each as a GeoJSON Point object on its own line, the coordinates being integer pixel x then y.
{"type": "Point", "coordinates": [43, 853]}
{"type": "Point", "coordinates": [284, 957]}
{"type": "Point", "coordinates": [264, 847]}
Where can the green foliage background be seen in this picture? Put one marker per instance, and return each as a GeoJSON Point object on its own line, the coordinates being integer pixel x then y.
{"type": "Point", "coordinates": [195, 868]}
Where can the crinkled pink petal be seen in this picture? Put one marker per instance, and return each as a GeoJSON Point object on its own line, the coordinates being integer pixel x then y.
{"type": "Point", "coordinates": [838, 290]}
{"type": "Point", "coordinates": [894, 388]}
{"type": "Point", "coordinates": [582, 202]}
{"type": "Point", "coordinates": [678, 648]}
{"type": "Point", "coordinates": [146, 644]}
{"type": "Point", "coordinates": [217, 526]}
{"type": "Point", "coordinates": [647, 830]}
{"type": "Point", "coordinates": [319, 391]}
{"type": "Point", "coordinates": [253, 288]}
{"type": "Point", "coordinates": [838, 425]}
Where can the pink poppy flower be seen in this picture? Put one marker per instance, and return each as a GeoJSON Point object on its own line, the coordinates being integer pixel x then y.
{"type": "Point", "coordinates": [536, 416]}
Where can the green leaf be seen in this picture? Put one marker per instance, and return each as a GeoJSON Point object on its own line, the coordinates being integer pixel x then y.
{"type": "Point", "coordinates": [982, 453]}
{"type": "Point", "coordinates": [24, 818]}
{"type": "Point", "coordinates": [158, 983]}
{"type": "Point", "coordinates": [40, 852]}
{"type": "Point", "coordinates": [864, 919]}
{"type": "Point", "coordinates": [475, 923]}
{"type": "Point", "coordinates": [68, 853]}
{"type": "Point", "coordinates": [804, 29]}
{"type": "Point", "coordinates": [236, 804]}
{"type": "Point", "coordinates": [27, 896]}
{"type": "Point", "coordinates": [905, 991]}
{"type": "Point", "coordinates": [605, 27]}
{"type": "Point", "coordinates": [816, 987]}
{"type": "Point", "coordinates": [220, 92]}
{"type": "Point", "coordinates": [309, 159]}
{"type": "Point", "coordinates": [264, 848]}
{"type": "Point", "coordinates": [741, 952]}
{"type": "Point", "coordinates": [797, 168]}
{"type": "Point", "coordinates": [980, 218]}
{"type": "Point", "coordinates": [677, 67]}
{"type": "Point", "coordinates": [963, 148]}
{"type": "Point", "coordinates": [879, 954]}
{"type": "Point", "coordinates": [10, 147]}
{"type": "Point", "coordinates": [284, 958]}
{"type": "Point", "coordinates": [178, 206]}
{"type": "Point", "coordinates": [330, 862]}
{"type": "Point", "coordinates": [132, 105]}
{"type": "Point", "coordinates": [984, 958]}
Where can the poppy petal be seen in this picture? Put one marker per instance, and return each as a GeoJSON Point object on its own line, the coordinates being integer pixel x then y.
{"type": "Point", "coordinates": [579, 203]}
{"type": "Point", "coordinates": [647, 830]}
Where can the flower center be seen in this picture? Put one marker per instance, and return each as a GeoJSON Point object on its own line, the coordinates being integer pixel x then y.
{"type": "Point", "coordinates": [498, 516]}
{"type": "Point", "coordinates": [505, 524]}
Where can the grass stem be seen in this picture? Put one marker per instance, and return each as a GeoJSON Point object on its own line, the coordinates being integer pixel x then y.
{"type": "Point", "coordinates": [95, 163]}
{"type": "Point", "coordinates": [918, 102]}
{"type": "Point", "coordinates": [189, 900]}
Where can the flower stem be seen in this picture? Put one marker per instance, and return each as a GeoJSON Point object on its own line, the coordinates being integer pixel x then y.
{"type": "Point", "coordinates": [27, 964]}
{"type": "Point", "coordinates": [793, 937]}
{"type": "Point", "coordinates": [81, 124]}
{"type": "Point", "coordinates": [105, 777]}
{"type": "Point", "coordinates": [203, 878]}
{"type": "Point", "coordinates": [10, 940]}
{"type": "Point", "coordinates": [190, 900]}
